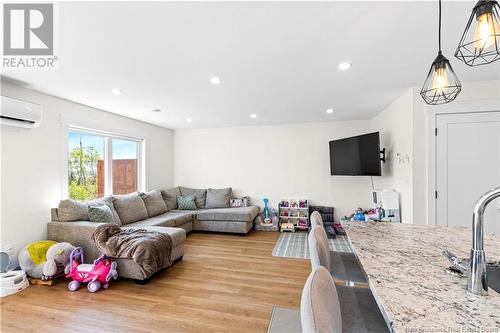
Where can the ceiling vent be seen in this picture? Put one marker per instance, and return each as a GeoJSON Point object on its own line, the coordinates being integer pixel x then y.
{"type": "Point", "coordinates": [15, 112]}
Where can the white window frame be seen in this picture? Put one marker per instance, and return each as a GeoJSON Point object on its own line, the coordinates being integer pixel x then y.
{"type": "Point", "coordinates": [108, 157]}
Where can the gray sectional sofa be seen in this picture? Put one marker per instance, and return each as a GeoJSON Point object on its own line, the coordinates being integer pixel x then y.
{"type": "Point", "coordinates": [156, 211]}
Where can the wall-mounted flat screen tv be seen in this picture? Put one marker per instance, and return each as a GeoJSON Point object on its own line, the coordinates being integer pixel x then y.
{"type": "Point", "coordinates": [356, 156]}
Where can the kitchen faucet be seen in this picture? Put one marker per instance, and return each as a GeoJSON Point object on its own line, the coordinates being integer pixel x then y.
{"type": "Point", "coordinates": [477, 279]}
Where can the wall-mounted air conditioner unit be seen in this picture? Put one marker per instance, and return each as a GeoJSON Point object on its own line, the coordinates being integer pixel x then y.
{"type": "Point", "coordinates": [15, 112]}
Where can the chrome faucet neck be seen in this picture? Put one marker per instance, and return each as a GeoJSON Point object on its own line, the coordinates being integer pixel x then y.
{"type": "Point", "coordinates": [477, 280]}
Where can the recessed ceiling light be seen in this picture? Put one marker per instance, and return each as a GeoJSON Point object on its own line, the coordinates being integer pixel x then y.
{"type": "Point", "coordinates": [189, 120]}
{"type": "Point", "coordinates": [253, 115]}
{"type": "Point", "coordinates": [156, 110]}
{"type": "Point", "coordinates": [117, 91]}
{"type": "Point", "coordinates": [329, 111]}
{"type": "Point", "coordinates": [343, 66]}
{"type": "Point", "coordinates": [215, 80]}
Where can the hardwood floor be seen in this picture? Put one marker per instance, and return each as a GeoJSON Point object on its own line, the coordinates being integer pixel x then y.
{"type": "Point", "coordinates": [225, 283]}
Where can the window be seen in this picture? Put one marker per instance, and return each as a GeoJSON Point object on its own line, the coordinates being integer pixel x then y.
{"type": "Point", "coordinates": [100, 165]}
{"type": "Point", "coordinates": [124, 166]}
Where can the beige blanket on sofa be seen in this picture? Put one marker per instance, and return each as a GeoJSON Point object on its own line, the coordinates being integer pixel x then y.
{"type": "Point", "coordinates": [151, 250]}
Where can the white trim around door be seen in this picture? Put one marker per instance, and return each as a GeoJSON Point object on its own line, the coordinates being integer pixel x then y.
{"type": "Point", "coordinates": [431, 113]}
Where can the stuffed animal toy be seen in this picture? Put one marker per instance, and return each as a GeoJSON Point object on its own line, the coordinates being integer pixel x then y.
{"type": "Point", "coordinates": [45, 259]}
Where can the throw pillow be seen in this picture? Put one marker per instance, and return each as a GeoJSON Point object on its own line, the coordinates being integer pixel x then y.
{"type": "Point", "coordinates": [107, 201]}
{"type": "Point", "coordinates": [74, 210]}
{"type": "Point", "coordinates": [240, 202]}
{"type": "Point", "coordinates": [101, 214]}
{"type": "Point", "coordinates": [170, 197]}
{"type": "Point", "coordinates": [186, 203]}
{"type": "Point", "coordinates": [219, 198]}
{"type": "Point", "coordinates": [154, 203]}
{"type": "Point", "coordinates": [130, 208]}
{"type": "Point", "coordinates": [200, 195]}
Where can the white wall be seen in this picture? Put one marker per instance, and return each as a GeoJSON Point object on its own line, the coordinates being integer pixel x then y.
{"type": "Point", "coordinates": [274, 161]}
{"type": "Point", "coordinates": [31, 168]}
{"type": "Point", "coordinates": [395, 126]}
{"type": "Point", "coordinates": [255, 160]}
{"type": "Point", "coordinates": [293, 160]}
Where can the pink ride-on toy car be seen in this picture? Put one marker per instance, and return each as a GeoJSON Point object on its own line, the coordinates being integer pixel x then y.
{"type": "Point", "coordinates": [100, 273]}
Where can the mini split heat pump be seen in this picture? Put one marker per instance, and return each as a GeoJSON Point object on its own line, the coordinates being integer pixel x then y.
{"type": "Point", "coordinates": [15, 112]}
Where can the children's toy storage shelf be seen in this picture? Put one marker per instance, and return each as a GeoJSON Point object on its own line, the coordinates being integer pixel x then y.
{"type": "Point", "coordinates": [295, 212]}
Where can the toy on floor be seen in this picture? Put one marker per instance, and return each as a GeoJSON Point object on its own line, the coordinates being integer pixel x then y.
{"type": "Point", "coordinates": [267, 212]}
{"type": "Point", "coordinates": [45, 259]}
{"type": "Point", "coordinates": [96, 275]}
{"type": "Point", "coordinates": [287, 227]}
{"type": "Point", "coordinates": [273, 224]}
{"type": "Point", "coordinates": [302, 224]}
{"type": "Point", "coordinates": [12, 281]}
{"type": "Point", "coordinates": [40, 282]}
{"type": "Point", "coordinates": [359, 215]}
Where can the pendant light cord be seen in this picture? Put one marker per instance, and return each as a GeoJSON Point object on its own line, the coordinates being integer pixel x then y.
{"type": "Point", "coordinates": [439, 26]}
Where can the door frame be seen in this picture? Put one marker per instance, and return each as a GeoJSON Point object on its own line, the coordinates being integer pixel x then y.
{"type": "Point", "coordinates": [431, 113]}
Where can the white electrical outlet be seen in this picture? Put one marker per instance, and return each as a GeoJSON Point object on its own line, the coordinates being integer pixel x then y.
{"type": "Point", "coordinates": [9, 249]}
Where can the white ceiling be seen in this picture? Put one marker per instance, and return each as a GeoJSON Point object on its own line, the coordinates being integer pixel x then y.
{"type": "Point", "coordinates": [276, 59]}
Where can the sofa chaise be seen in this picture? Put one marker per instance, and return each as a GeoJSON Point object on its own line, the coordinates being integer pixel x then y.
{"type": "Point", "coordinates": [154, 211]}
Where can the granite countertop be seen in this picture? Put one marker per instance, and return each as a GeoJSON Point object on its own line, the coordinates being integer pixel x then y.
{"type": "Point", "coordinates": [406, 272]}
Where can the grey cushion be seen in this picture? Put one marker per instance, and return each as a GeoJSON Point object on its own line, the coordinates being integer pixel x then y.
{"type": "Point", "coordinates": [193, 212]}
{"type": "Point", "coordinates": [168, 219]}
{"type": "Point", "coordinates": [200, 195]}
{"type": "Point", "coordinates": [241, 214]}
{"type": "Point", "coordinates": [74, 210]}
{"type": "Point", "coordinates": [319, 249]}
{"type": "Point", "coordinates": [130, 208]}
{"type": "Point", "coordinates": [154, 203]}
{"type": "Point", "coordinates": [219, 198]}
{"type": "Point", "coordinates": [319, 304]}
{"type": "Point", "coordinates": [237, 227]}
{"type": "Point", "coordinates": [170, 197]}
{"type": "Point", "coordinates": [101, 214]}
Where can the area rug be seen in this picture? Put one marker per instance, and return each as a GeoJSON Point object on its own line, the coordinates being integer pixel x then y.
{"type": "Point", "coordinates": [294, 245]}
{"type": "Point", "coordinates": [284, 321]}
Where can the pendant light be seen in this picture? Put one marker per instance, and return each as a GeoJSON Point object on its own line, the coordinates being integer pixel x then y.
{"type": "Point", "coordinates": [480, 43]}
{"type": "Point", "coordinates": [441, 85]}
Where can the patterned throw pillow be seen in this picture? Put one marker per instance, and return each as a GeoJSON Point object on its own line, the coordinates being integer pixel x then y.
{"type": "Point", "coordinates": [240, 202]}
{"type": "Point", "coordinates": [101, 214]}
{"type": "Point", "coordinates": [186, 203]}
{"type": "Point", "coordinates": [200, 195]}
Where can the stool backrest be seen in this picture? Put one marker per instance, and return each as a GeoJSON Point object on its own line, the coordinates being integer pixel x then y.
{"type": "Point", "coordinates": [319, 305]}
{"type": "Point", "coordinates": [316, 219]}
{"type": "Point", "coordinates": [319, 249]}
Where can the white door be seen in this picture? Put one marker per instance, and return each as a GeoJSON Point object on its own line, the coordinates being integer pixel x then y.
{"type": "Point", "coordinates": [467, 166]}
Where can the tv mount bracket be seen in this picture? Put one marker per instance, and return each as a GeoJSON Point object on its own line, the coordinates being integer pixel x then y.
{"type": "Point", "coordinates": [382, 152]}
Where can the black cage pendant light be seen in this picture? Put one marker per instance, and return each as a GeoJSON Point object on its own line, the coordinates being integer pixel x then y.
{"type": "Point", "coordinates": [441, 85]}
{"type": "Point", "coordinates": [480, 43]}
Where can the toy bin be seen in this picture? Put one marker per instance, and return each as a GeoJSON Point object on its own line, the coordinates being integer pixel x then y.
{"type": "Point", "coordinates": [12, 282]}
